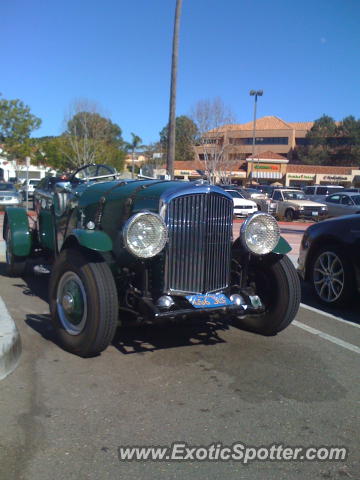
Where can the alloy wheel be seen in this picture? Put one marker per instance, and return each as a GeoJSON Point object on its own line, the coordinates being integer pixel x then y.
{"type": "Point", "coordinates": [329, 277]}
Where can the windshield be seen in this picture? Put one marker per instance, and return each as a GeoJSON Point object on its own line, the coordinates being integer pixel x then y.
{"type": "Point", "coordinates": [7, 187]}
{"type": "Point", "coordinates": [294, 195]}
{"type": "Point", "coordinates": [34, 182]}
{"type": "Point", "coordinates": [356, 199]}
{"type": "Point", "coordinates": [234, 194]}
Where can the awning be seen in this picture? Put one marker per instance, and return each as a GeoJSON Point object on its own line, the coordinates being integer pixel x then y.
{"type": "Point", "coordinates": [266, 175]}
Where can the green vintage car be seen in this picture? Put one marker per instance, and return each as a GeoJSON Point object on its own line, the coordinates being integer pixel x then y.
{"type": "Point", "coordinates": [148, 250]}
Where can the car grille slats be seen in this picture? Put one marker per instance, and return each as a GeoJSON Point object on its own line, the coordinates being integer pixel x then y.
{"type": "Point", "coordinates": [198, 254]}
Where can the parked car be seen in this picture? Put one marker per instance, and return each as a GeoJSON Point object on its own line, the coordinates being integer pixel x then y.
{"type": "Point", "coordinates": [318, 193]}
{"type": "Point", "coordinates": [150, 250]}
{"type": "Point", "coordinates": [292, 204]}
{"type": "Point", "coordinates": [44, 191]}
{"type": "Point", "coordinates": [353, 190]}
{"type": "Point", "coordinates": [330, 259]}
{"type": "Point", "coordinates": [344, 203]}
{"type": "Point", "coordinates": [30, 186]}
{"type": "Point", "coordinates": [9, 195]}
{"type": "Point", "coordinates": [242, 206]}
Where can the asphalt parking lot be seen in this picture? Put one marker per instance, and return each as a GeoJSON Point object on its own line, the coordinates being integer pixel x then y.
{"type": "Point", "coordinates": [199, 382]}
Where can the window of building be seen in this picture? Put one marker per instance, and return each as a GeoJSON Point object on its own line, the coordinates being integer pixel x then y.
{"type": "Point", "coordinates": [267, 141]}
{"type": "Point", "coordinates": [302, 141]}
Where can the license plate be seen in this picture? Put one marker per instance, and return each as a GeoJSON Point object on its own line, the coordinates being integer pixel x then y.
{"type": "Point", "coordinates": [209, 301]}
{"type": "Point", "coordinates": [315, 213]}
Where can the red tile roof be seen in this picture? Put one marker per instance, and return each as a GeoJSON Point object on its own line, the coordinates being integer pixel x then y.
{"type": "Point", "coordinates": [319, 169]}
{"type": "Point", "coordinates": [267, 123]}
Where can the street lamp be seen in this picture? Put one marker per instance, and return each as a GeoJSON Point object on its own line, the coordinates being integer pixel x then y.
{"type": "Point", "coordinates": [254, 93]}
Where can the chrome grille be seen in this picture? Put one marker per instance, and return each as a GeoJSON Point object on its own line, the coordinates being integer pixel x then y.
{"type": "Point", "coordinates": [200, 233]}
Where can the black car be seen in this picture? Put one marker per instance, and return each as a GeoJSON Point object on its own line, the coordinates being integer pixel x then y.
{"type": "Point", "coordinates": [330, 259]}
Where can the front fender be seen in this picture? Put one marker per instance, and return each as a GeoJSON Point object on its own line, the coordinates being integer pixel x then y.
{"type": "Point", "coordinates": [282, 247]}
{"type": "Point", "coordinates": [17, 220]}
{"type": "Point", "coordinates": [92, 239]}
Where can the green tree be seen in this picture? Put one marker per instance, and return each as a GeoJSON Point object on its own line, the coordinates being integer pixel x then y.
{"type": "Point", "coordinates": [132, 146]}
{"type": "Point", "coordinates": [90, 137]}
{"type": "Point", "coordinates": [16, 124]}
{"type": "Point", "coordinates": [186, 136]}
{"type": "Point", "coordinates": [331, 143]}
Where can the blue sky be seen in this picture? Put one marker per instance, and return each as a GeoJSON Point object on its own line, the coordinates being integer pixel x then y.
{"type": "Point", "coordinates": [304, 55]}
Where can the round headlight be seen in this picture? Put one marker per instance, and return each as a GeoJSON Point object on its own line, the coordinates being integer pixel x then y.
{"type": "Point", "coordinates": [145, 234]}
{"type": "Point", "coordinates": [260, 233]}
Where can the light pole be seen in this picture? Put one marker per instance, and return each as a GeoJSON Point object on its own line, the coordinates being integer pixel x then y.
{"type": "Point", "coordinates": [254, 93]}
{"type": "Point", "coordinates": [172, 118]}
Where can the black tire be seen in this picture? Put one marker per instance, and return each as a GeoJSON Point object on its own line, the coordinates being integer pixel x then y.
{"type": "Point", "coordinates": [89, 284]}
{"type": "Point", "coordinates": [343, 291]}
{"type": "Point", "coordinates": [15, 265]}
{"type": "Point", "coordinates": [289, 215]}
{"type": "Point", "coordinates": [278, 286]}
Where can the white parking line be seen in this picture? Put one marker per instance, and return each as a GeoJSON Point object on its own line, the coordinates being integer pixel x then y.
{"type": "Point", "coordinates": [325, 314]}
{"type": "Point", "coordinates": [330, 338]}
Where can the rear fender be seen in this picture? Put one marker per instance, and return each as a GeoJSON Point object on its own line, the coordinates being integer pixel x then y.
{"type": "Point", "coordinates": [17, 220]}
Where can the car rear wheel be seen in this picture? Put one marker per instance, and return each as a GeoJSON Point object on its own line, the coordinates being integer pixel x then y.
{"type": "Point", "coordinates": [83, 303]}
{"type": "Point", "coordinates": [289, 215]}
{"type": "Point", "coordinates": [275, 281]}
{"type": "Point", "coordinates": [332, 276]}
{"type": "Point", "coordinates": [15, 265]}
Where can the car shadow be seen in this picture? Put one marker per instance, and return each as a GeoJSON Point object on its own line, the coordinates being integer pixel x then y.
{"type": "Point", "coordinates": [31, 285]}
{"type": "Point", "coordinates": [149, 338]}
{"type": "Point", "coordinates": [350, 313]}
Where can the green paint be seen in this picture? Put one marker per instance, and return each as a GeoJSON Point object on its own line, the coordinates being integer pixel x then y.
{"type": "Point", "coordinates": [282, 247]}
{"type": "Point", "coordinates": [93, 239]}
{"type": "Point", "coordinates": [17, 219]}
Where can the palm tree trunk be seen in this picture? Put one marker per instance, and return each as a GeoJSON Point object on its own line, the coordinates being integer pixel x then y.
{"type": "Point", "coordinates": [174, 67]}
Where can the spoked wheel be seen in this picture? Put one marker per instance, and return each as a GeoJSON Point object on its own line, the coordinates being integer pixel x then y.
{"type": "Point", "coordinates": [83, 303]}
{"type": "Point", "coordinates": [332, 276]}
{"type": "Point", "coordinates": [275, 281]}
{"type": "Point", "coordinates": [15, 265]}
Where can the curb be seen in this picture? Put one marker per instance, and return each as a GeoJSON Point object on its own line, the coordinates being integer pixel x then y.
{"type": "Point", "coordinates": [10, 342]}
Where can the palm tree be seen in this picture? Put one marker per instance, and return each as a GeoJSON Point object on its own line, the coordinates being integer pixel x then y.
{"type": "Point", "coordinates": [174, 67]}
{"type": "Point", "coordinates": [135, 144]}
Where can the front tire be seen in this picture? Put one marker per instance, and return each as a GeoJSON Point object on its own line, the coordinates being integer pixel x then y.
{"type": "Point", "coordinates": [83, 303]}
{"type": "Point", "coordinates": [289, 215]}
{"type": "Point", "coordinates": [276, 282]}
{"type": "Point", "coordinates": [332, 276]}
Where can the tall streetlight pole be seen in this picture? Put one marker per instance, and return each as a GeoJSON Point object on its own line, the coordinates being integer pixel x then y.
{"type": "Point", "coordinates": [254, 93]}
{"type": "Point", "coordinates": [172, 119]}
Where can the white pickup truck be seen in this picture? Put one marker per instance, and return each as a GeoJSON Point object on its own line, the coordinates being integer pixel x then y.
{"type": "Point", "coordinates": [290, 204]}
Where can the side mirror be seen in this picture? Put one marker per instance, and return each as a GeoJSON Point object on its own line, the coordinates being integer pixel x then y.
{"type": "Point", "coordinates": [63, 187]}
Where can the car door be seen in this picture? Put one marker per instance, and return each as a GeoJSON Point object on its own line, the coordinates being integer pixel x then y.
{"type": "Point", "coordinates": [333, 204]}
{"type": "Point", "coordinates": [277, 198]}
{"type": "Point", "coordinates": [347, 205]}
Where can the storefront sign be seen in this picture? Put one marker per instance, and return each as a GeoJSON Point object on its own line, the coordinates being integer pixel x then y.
{"type": "Point", "coordinates": [300, 176]}
{"type": "Point", "coordinates": [267, 166]}
{"type": "Point", "coordinates": [337, 178]}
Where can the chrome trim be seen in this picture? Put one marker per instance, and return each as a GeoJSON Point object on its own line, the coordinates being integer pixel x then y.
{"type": "Point", "coordinates": [199, 222]}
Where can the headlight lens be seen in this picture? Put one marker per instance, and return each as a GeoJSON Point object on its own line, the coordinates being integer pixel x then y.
{"type": "Point", "coordinates": [260, 233]}
{"type": "Point", "coordinates": [145, 234]}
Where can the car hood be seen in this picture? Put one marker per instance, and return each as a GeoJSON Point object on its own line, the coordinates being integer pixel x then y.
{"type": "Point", "coordinates": [306, 203]}
{"type": "Point", "coordinates": [6, 193]}
{"type": "Point", "coordinates": [117, 200]}
{"type": "Point", "coordinates": [243, 201]}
